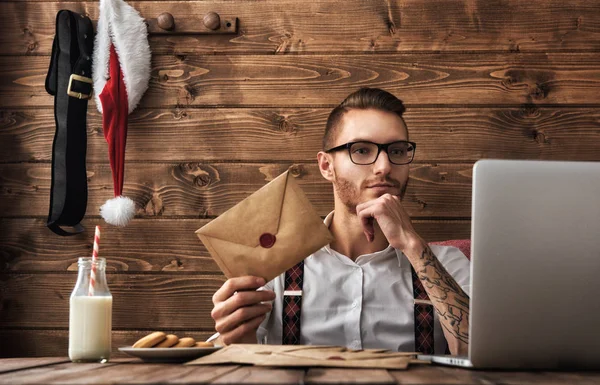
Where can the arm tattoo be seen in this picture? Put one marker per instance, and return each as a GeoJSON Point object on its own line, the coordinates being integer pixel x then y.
{"type": "Point", "coordinates": [450, 301]}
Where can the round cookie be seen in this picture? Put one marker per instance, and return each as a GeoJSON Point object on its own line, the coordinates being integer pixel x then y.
{"type": "Point", "coordinates": [169, 341]}
{"type": "Point", "coordinates": [150, 340]}
{"type": "Point", "coordinates": [185, 342]}
{"type": "Point", "coordinates": [201, 344]}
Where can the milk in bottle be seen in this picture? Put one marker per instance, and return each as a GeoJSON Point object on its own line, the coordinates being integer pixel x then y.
{"type": "Point", "coordinates": [90, 315]}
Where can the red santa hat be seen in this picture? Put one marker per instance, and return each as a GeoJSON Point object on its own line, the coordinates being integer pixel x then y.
{"type": "Point", "coordinates": [121, 73]}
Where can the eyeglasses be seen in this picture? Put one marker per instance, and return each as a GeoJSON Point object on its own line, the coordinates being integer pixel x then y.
{"type": "Point", "coordinates": [364, 152]}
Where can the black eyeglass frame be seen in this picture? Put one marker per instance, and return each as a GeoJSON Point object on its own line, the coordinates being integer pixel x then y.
{"type": "Point", "coordinates": [380, 147]}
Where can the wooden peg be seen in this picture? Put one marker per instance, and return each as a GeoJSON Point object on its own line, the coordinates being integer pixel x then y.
{"type": "Point", "coordinates": [166, 21]}
{"type": "Point", "coordinates": [212, 21]}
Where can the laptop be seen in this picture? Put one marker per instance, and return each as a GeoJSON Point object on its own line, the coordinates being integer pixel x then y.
{"type": "Point", "coordinates": [535, 266]}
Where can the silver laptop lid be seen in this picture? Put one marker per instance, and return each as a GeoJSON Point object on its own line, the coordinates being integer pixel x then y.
{"type": "Point", "coordinates": [535, 270]}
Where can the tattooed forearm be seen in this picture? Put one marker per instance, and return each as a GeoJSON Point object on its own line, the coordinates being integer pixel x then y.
{"type": "Point", "coordinates": [449, 300]}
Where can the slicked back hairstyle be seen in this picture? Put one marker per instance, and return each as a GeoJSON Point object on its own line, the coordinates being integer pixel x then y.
{"type": "Point", "coordinates": [363, 99]}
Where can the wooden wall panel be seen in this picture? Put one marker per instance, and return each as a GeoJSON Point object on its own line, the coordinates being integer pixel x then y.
{"type": "Point", "coordinates": [207, 190]}
{"type": "Point", "coordinates": [140, 301]}
{"type": "Point", "coordinates": [325, 80]}
{"type": "Point", "coordinates": [227, 113]}
{"type": "Point", "coordinates": [375, 26]}
{"type": "Point", "coordinates": [294, 134]}
{"type": "Point", "coordinates": [166, 246]}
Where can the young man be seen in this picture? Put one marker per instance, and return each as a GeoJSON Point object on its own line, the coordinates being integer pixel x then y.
{"type": "Point", "coordinates": [358, 291]}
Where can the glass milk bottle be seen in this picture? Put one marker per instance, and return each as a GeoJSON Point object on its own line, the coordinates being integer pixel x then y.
{"type": "Point", "coordinates": [90, 315]}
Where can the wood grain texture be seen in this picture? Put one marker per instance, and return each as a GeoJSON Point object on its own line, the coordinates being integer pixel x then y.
{"type": "Point", "coordinates": [348, 376]}
{"type": "Point", "coordinates": [133, 373]}
{"type": "Point", "coordinates": [225, 114]}
{"type": "Point", "coordinates": [262, 375]}
{"type": "Point", "coordinates": [158, 245]}
{"type": "Point", "coordinates": [325, 80]}
{"type": "Point", "coordinates": [13, 364]}
{"type": "Point", "coordinates": [162, 245]}
{"type": "Point", "coordinates": [295, 134]}
{"type": "Point", "coordinates": [432, 374]}
{"type": "Point", "coordinates": [55, 343]}
{"type": "Point", "coordinates": [139, 301]}
{"type": "Point", "coordinates": [288, 26]}
{"type": "Point", "coordinates": [206, 190]}
{"type": "Point", "coordinates": [127, 371]}
{"type": "Point", "coordinates": [45, 375]}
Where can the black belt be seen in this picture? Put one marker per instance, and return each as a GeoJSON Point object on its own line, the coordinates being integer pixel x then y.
{"type": "Point", "coordinates": [69, 79]}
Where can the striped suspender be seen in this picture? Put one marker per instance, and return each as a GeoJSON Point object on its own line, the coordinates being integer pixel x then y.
{"type": "Point", "coordinates": [292, 304]}
{"type": "Point", "coordinates": [292, 307]}
{"type": "Point", "coordinates": [423, 317]}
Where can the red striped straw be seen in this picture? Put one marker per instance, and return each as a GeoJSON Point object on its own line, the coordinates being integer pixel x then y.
{"type": "Point", "coordinates": [94, 261]}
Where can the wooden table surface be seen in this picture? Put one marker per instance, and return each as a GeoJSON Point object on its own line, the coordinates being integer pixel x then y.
{"type": "Point", "coordinates": [59, 370]}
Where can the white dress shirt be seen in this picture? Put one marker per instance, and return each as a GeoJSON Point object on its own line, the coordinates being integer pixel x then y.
{"type": "Point", "coordinates": [362, 304]}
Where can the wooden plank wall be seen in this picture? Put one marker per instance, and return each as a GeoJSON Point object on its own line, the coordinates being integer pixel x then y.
{"type": "Point", "coordinates": [226, 113]}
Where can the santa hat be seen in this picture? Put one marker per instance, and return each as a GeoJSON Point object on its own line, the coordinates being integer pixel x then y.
{"type": "Point", "coordinates": [121, 72]}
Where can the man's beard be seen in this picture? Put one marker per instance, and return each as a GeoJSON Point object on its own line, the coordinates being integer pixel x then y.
{"type": "Point", "coordinates": [350, 195]}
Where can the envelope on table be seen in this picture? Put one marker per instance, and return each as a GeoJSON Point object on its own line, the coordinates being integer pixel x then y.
{"type": "Point", "coordinates": [267, 233]}
{"type": "Point", "coordinates": [307, 356]}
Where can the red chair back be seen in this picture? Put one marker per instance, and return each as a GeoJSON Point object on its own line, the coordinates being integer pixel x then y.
{"type": "Point", "coordinates": [463, 245]}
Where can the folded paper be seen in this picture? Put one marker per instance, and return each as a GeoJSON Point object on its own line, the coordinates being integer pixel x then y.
{"type": "Point", "coordinates": [267, 233]}
{"type": "Point", "coordinates": [307, 356]}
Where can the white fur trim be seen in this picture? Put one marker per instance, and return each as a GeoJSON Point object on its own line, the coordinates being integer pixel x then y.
{"type": "Point", "coordinates": [122, 24]}
{"type": "Point", "coordinates": [118, 211]}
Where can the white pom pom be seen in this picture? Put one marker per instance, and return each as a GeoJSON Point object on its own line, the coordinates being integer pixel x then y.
{"type": "Point", "coordinates": [118, 211]}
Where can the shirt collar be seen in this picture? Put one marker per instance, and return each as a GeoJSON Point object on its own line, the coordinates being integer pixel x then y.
{"type": "Point", "coordinates": [399, 254]}
{"type": "Point", "coordinates": [328, 219]}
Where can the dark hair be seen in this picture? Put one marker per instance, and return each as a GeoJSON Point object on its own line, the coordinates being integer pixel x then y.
{"type": "Point", "coordinates": [363, 99]}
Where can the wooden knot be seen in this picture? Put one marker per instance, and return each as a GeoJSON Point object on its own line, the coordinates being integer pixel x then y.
{"type": "Point", "coordinates": [286, 126]}
{"type": "Point", "coordinates": [154, 206]}
{"type": "Point", "coordinates": [539, 92]}
{"type": "Point", "coordinates": [539, 137]}
{"type": "Point", "coordinates": [529, 111]}
{"type": "Point", "coordinates": [296, 170]}
{"type": "Point", "coordinates": [198, 175]}
{"type": "Point", "coordinates": [202, 180]}
{"type": "Point", "coordinates": [166, 21]}
{"type": "Point", "coordinates": [212, 21]}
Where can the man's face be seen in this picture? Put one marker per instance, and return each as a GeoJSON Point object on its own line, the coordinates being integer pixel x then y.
{"type": "Point", "coordinates": [354, 184]}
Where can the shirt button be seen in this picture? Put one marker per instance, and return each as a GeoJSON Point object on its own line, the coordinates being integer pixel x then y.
{"type": "Point", "coordinates": [354, 304]}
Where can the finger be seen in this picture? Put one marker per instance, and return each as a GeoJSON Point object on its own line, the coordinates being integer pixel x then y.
{"type": "Point", "coordinates": [365, 205]}
{"type": "Point", "coordinates": [236, 284]}
{"type": "Point", "coordinates": [367, 218]}
{"type": "Point", "coordinates": [241, 315]}
{"type": "Point", "coordinates": [238, 333]}
{"type": "Point", "coordinates": [241, 299]}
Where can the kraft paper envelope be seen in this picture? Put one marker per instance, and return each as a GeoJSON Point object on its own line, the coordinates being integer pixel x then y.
{"type": "Point", "coordinates": [267, 233]}
{"type": "Point", "coordinates": [307, 355]}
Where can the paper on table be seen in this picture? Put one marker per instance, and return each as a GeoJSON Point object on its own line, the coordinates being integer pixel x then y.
{"type": "Point", "coordinates": [306, 355]}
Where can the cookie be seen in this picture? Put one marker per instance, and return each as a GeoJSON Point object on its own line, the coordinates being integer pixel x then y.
{"type": "Point", "coordinates": [204, 344]}
{"type": "Point", "coordinates": [150, 340]}
{"type": "Point", "coordinates": [169, 341]}
{"type": "Point", "coordinates": [185, 342]}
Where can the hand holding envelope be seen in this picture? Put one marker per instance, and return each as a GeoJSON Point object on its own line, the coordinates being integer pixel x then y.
{"type": "Point", "coordinates": [267, 233]}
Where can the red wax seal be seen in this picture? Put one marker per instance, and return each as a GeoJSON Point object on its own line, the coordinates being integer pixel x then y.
{"type": "Point", "coordinates": [267, 240]}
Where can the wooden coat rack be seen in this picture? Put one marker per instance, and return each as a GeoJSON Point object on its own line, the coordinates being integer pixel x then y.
{"type": "Point", "coordinates": [211, 23]}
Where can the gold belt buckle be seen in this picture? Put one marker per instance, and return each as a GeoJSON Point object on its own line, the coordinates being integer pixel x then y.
{"type": "Point", "coordinates": [82, 79]}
